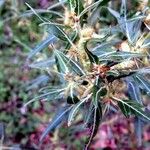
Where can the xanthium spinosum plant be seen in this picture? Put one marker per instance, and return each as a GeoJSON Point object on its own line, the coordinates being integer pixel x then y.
{"type": "Point", "coordinates": [98, 68]}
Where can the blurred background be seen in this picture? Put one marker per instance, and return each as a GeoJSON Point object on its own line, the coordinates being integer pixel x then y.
{"type": "Point", "coordinates": [21, 129]}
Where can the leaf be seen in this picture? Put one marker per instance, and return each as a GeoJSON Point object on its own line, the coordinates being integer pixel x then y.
{"type": "Point", "coordinates": [49, 40]}
{"type": "Point", "coordinates": [114, 13]}
{"type": "Point", "coordinates": [40, 18]}
{"type": "Point", "coordinates": [43, 64]}
{"type": "Point", "coordinates": [118, 56]}
{"type": "Point", "coordinates": [76, 6]}
{"type": "Point", "coordinates": [96, 12]}
{"type": "Point", "coordinates": [55, 5]}
{"type": "Point", "coordinates": [59, 117]}
{"type": "Point", "coordinates": [61, 64]}
{"type": "Point", "coordinates": [71, 64]}
{"type": "Point", "coordinates": [129, 107]}
{"type": "Point", "coordinates": [93, 58]}
{"type": "Point", "coordinates": [29, 13]}
{"type": "Point", "coordinates": [104, 48]}
{"type": "Point", "coordinates": [75, 109]}
{"type": "Point", "coordinates": [57, 31]}
{"type": "Point", "coordinates": [51, 95]}
{"type": "Point", "coordinates": [43, 79]}
{"type": "Point", "coordinates": [97, 116]}
{"type": "Point", "coordinates": [16, 39]}
{"type": "Point", "coordinates": [131, 28]}
{"type": "Point", "coordinates": [98, 90]}
{"type": "Point", "coordinates": [134, 31]}
{"type": "Point", "coordinates": [121, 55]}
{"type": "Point", "coordinates": [73, 38]}
{"type": "Point", "coordinates": [144, 70]}
{"type": "Point", "coordinates": [79, 7]}
{"type": "Point", "coordinates": [93, 5]}
{"type": "Point", "coordinates": [72, 4]}
{"type": "Point", "coordinates": [138, 130]}
{"type": "Point", "coordinates": [88, 118]}
{"type": "Point", "coordinates": [144, 84]}
{"type": "Point", "coordinates": [125, 110]}
{"type": "Point", "coordinates": [134, 91]}
{"type": "Point", "coordinates": [146, 43]}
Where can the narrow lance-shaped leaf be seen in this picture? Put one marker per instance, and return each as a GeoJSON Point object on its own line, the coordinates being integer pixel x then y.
{"type": "Point", "coordinates": [97, 116]}
{"type": "Point", "coordinates": [29, 13]}
{"type": "Point", "coordinates": [144, 70]}
{"type": "Point", "coordinates": [72, 4]}
{"type": "Point", "coordinates": [98, 90]}
{"type": "Point", "coordinates": [138, 130]}
{"type": "Point", "coordinates": [51, 95]}
{"type": "Point", "coordinates": [43, 64]}
{"type": "Point", "coordinates": [76, 6]}
{"type": "Point", "coordinates": [129, 107]}
{"type": "Point", "coordinates": [42, 45]}
{"type": "Point", "coordinates": [79, 7]}
{"type": "Point", "coordinates": [93, 5]}
{"type": "Point", "coordinates": [119, 56]}
{"type": "Point", "coordinates": [57, 31]}
{"type": "Point", "coordinates": [89, 115]}
{"type": "Point", "coordinates": [73, 38]}
{"type": "Point", "coordinates": [93, 58]}
{"type": "Point", "coordinates": [114, 13]}
{"type": "Point", "coordinates": [71, 64]}
{"type": "Point", "coordinates": [75, 109]}
{"type": "Point", "coordinates": [135, 94]}
{"type": "Point", "coordinates": [146, 43]}
{"type": "Point", "coordinates": [134, 91]}
{"type": "Point", "coordinates": [61, 64]}
{"type": "Point", "coordinates": [43, 79]}
{"type": "Point", "coordinates": [57, 120]}
{"type": "Point", "coordinates": [60, 33]}
{"type": "Point", "coordinates": [95, 14]}
{"type": "Point", "coordinates": [144, 84]}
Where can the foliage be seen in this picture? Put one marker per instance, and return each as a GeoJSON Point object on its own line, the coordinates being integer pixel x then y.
{"type": "Point", "coordinates": [96, 67]}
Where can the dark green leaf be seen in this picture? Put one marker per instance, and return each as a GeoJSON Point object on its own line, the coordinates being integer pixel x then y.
{"type": "Point", "coordinates": [70, 64]}
{"type": "Point", "coordinates": [72, 4]}
{"type": "Point", "coordinates": [96, 119]}
{"type": "Point", "coordinates": [72, 99]}
{"type": "Point", "coordinates": [93, 58]}
{"type": "Point", "coordinates": [61, 64]}
{"type": "Point", "coordinates": [79, 7]}
{"type": "Point", "coordinates": [129, 107]}
{"type": "Point", "coordinates": [98, 90]}
{"type": "Point", "coordinates": [125, 110]}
